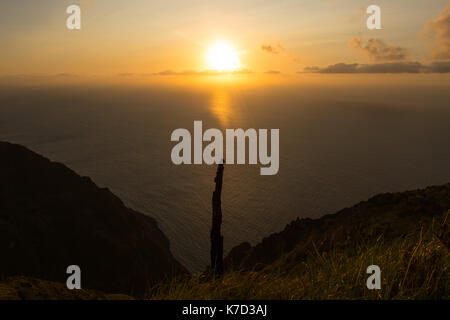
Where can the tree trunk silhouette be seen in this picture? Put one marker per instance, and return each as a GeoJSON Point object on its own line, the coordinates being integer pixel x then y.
{"type": "Point", "coordinates": [216, 236]}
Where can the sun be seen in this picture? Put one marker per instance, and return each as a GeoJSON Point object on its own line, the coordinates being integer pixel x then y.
{"type": "Point", "coordinates": [222, 56]}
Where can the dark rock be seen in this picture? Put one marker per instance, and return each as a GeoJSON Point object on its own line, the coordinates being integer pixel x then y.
{"type": "Point", "coordinates": [51, 218]}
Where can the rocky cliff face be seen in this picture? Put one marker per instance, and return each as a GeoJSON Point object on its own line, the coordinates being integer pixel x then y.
{"type": "Point", "coordinates": [51, 218]}
{"type": "Point", "coordinates": [389, 215]}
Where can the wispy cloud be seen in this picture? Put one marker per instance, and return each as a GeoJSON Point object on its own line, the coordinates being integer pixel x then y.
{"type": "Point", "coordinates": [439, 30]}
{"type": "Point", "coordinates": [62, 75]}
{"type": "Point", "coordinates": [273, 72]}
{"type": "Point", "coordinates": [274, 49]}
{"type": "Point", "coordinates": [200, 73]}
{"type": "Point", "coordinates": [126, 74]}
{"type": "Point", "coordinates": [377, 50]}
{"type": "Point", "coordinates": [389, 67]}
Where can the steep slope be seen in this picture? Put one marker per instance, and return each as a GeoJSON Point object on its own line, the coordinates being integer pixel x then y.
{"type": "Point", "coordinates": [51, 218]}
{"type": "Point", "coordinates": [390, 215]}
{"type": "Point", "coordinates": [406, 234]}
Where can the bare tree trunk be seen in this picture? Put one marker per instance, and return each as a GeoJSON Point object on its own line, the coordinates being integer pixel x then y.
{"type": "Point", "coordinates": [216, 236]}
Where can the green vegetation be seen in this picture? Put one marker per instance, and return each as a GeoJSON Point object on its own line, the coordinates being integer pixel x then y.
{"type": "Point", "coordinates": [413, 266]}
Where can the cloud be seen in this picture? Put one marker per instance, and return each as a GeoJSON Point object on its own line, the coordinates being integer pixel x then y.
{"type": "Point", "coordinates": [126, 74]}
{"type": "Point", "coordinates": [166, 73]}
{"type": "Point", "coordinates": [439, 30]}
{"type": "Point", "coordinates": [440, 67]}
{"type": "Point", "coordinates": [272, 49]}
{"type": "Point", "coordinates": [273, 72]}
{"type": "Point", "coordinates": [377, 50]}
{"type": "Point", "coordinates": [64, 75]}
{"type": "Point", "coordinates": [335, 68]}
{"type": "Point", "coordinates": [279, 49]}
{"type": "Point", "coordinates": [311, 69]}
{"type": "Point", "coordinates": [388, 67]}
{"type": "Point", "coordinates": [201, 73]}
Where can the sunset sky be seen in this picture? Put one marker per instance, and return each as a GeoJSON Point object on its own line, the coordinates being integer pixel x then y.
{"type": "Point", "coordinates": [149, 37]}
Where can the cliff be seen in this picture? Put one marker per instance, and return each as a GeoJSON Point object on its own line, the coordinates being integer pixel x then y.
{"type": "Point", "coordinates": [390, 215]}
{"type": "Point", "coordinates": [51, 218]}
{"type": "Point", "coordinates": [406, 234]}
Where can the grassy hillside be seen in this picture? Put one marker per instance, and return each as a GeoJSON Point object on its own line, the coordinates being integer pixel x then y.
{"type": "Point", "coordinates": [413, 266]}
{"type": "Point", "coordinates": [406, 234]}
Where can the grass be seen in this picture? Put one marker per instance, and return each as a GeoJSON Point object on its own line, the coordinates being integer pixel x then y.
{"type": "Point", "coordinates": [415, 266]}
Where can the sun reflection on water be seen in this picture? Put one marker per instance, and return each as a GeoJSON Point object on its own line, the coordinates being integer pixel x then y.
{"type": "Point", "coordinates": [221, 106]}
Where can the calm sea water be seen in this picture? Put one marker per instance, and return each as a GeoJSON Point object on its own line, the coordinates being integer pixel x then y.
{"type": "Point", "coordinates": [338, 146]}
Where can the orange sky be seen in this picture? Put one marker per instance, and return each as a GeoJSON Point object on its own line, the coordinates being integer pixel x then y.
{"type": "Point", "coordinates": [148, 37]}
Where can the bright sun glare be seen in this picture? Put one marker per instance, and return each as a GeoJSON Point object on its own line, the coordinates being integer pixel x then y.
{"type": "Point", "coordinates": [222, 57]}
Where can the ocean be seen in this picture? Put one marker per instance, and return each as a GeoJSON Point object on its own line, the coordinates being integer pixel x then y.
{"type": "Point", "coordinates": [340, 143]}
